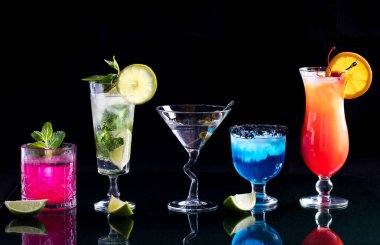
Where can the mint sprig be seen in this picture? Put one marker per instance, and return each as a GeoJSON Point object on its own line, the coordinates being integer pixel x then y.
{"type": "Point", "coordinates": [112, 124]}
{"type": "Point", "coordinates": [47, 138]}
{"type": "Point", "coordinates": [109, 78]}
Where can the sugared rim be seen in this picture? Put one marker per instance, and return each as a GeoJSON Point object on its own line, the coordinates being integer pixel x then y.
{"type": "Point", "coordinates": [249, 131]}
{"type": "Point", "coordinates": [217, 108]}
{"type": "Point", "coordinates": [64, 145]}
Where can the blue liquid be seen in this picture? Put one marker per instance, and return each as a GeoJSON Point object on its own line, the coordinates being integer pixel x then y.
{"type": "Point", "coordinates": [258, 159]}
{"type": "Point", "coordinates": [257, 234]}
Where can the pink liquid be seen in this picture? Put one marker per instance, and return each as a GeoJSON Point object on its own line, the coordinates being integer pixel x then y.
{"type": "Point", "coordinates": [60, 228]}
{"type": "Point", "coordinates": [52, 180]}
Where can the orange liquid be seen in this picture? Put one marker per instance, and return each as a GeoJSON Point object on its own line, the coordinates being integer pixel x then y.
{"type": "Point", "coordinates": [324, 139]}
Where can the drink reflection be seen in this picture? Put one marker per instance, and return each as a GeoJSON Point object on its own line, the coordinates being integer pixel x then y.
{"type": "Point", "coordinates": [60, 229]}
{"type": "Point", "coordinates": [323, 234]}
{"type": "Point", "coordinates": [120, 230]}
{"type": "Point", "coordinates": [258, 232]}
{"type": "Point", "coordinates": [193, 224]}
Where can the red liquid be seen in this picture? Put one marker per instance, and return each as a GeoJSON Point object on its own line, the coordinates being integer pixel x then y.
{"type": "Point", "coordinates": [324, 140]}
{"type": "Point", "coordinates": [322, 236]}
{"type": "Point", "coordinates": [52, 181]}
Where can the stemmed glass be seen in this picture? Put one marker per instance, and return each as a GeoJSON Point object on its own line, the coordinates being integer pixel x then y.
{"type": "Point", "coordinates": [193, 125]}
{"type": "Point", "coordinates": [258, 154]}
{"type": "Point", "coordinates": [112, 118]}
{"type": "Point", "coordinates": [324, 139]}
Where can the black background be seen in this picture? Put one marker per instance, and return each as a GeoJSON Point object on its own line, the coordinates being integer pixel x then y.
{"type": "Point", "coordinates": [202, 52]}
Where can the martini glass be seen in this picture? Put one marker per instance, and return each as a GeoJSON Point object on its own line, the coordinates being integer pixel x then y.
{"type": "Point", "coordinates": [193, 125]}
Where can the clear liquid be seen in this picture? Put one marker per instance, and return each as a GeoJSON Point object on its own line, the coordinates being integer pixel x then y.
{"type": "Point", "coordinates": [105, 105]}
{"type": "Point", "coordinates": [193, 136]}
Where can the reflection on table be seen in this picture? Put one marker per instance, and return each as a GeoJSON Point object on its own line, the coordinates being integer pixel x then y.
{"type": "Point", "coordinates": [323, 234]}
{"type": "Point", "coordinates": [120, 230]}
{"type": "Point", "coordinates": [58, 228]}
{"type": "Point", "coordinates": [251, 229]}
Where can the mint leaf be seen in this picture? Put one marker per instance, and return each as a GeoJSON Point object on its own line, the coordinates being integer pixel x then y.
{"type": "Point", "coordinates": [110, 78]}
{"type": "Point", "coordinates": [109, 121]}
{"type": "Point", "coordinates": [47, 131]}
{"type": "Point", "coordinates": [113, 64]}
{"type": "Point", "coordinates": [38, 144]}
{"type": "Point", "coordinates": [100, 78]}
{"type": "Point", "coordinates": [47, 138]}
{"type": "Point", "coordinates": [56, 139]}
{"type": "Point", "coordinates": [37, 136]}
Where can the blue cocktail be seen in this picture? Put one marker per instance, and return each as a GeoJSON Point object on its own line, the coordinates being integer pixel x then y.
{"type": "Point", "coordinates": [258, 154]}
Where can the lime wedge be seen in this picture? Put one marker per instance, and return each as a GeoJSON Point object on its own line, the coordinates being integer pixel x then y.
{"type": "Point", "coordinates": [237, 223]}
{"type": "Point", "coordinates": [240, 202]}
{"type": "Point", "coordinates": [26, 226]}
{"type": "Point", "coordinates": [121, 155]}
{"type": "Point", "coordinates": [137, 83]}
{"type": "Point", "coordinates": [122, 226]}
{"type": "Point", "coordinates": [27, 208]}
{"type": "Point", "coordinates": [118, 208]}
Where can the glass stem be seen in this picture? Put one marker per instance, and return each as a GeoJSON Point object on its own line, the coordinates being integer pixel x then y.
{"type": "Point", "coordinates": [113, 190]}
{"type": "Point", "coordinates": [259, 189]}
{"type": "Point", "coordinates": [193, 192]}
{"type": "Point", "coordinates": [324, 187]}
{"type": "Point", "coordinates": [193, 223]}
{"type": "Point", "coordinates": [323, 218]}
{"type": "Point", "coordinates": [259, 217]}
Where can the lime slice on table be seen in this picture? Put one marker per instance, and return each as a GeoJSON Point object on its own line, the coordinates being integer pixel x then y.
{"type": "Point", "coordinates": [26, 208]}
{"type": "Point", "coordinates": [122, 226]}
{"type": "Point", "coordinates": [26, 226]}
{"type": "Point", "coordinates": [137, 83]}
{"type": "Point", "coordinates": [121, 155]}
{"type": "Point", "coordinates": [118, 208]}
{"type": "Point", "coordinates": [238, 222]}
{"type": "Point", "coordinates": [240, 202]}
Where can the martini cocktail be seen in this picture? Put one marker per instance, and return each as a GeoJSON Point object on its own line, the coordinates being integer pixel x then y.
{"type": "Point", "coordinates": [193, 125]}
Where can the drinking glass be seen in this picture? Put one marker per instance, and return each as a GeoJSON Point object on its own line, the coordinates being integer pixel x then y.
{"type": "Point", "coordinates": [193, 125]}
{"type": "Point", "coordinates": [112, 118]}
{"type": "Point", "coordinates": [324, 139]}
{"type": "Point", "coordinates": [258, 154]}
{"type": "Point", "coordinates": [49, 174]}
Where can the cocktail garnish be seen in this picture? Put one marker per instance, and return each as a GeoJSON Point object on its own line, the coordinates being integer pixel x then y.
{"type": "Point", "coordinates": [328, 56]}
{"type": "Point", "coordinates": [47, 138]}
{"type": "Point", "coordinates": [106, 79]}
{"type": "Point", "coordinates": [356, 71]}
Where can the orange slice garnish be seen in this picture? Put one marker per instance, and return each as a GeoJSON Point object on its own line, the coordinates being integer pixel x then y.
{"type": "Point", "coordinates": [356, 71]}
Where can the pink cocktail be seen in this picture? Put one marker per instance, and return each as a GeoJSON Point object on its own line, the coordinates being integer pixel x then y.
{"type": "Point", "coordinates": [49, 174]}
{"type": "Point", "coordinates": [61, 229]}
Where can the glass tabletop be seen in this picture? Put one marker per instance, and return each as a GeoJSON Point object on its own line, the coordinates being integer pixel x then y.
{"type": "Point", "coordinates": [152, 223]}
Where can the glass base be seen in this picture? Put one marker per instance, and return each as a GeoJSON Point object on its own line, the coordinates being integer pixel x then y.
{"type": "Point", "coordinates": [317, 202]}
{"type": "Point", "coordinates": [102, 206]}
{"type": "Point", "coordinates": [61, 206]}
{"type": "Point", "coordinates": [192, 206]}
{"type": "Point", "coordinates": [265, 204]}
